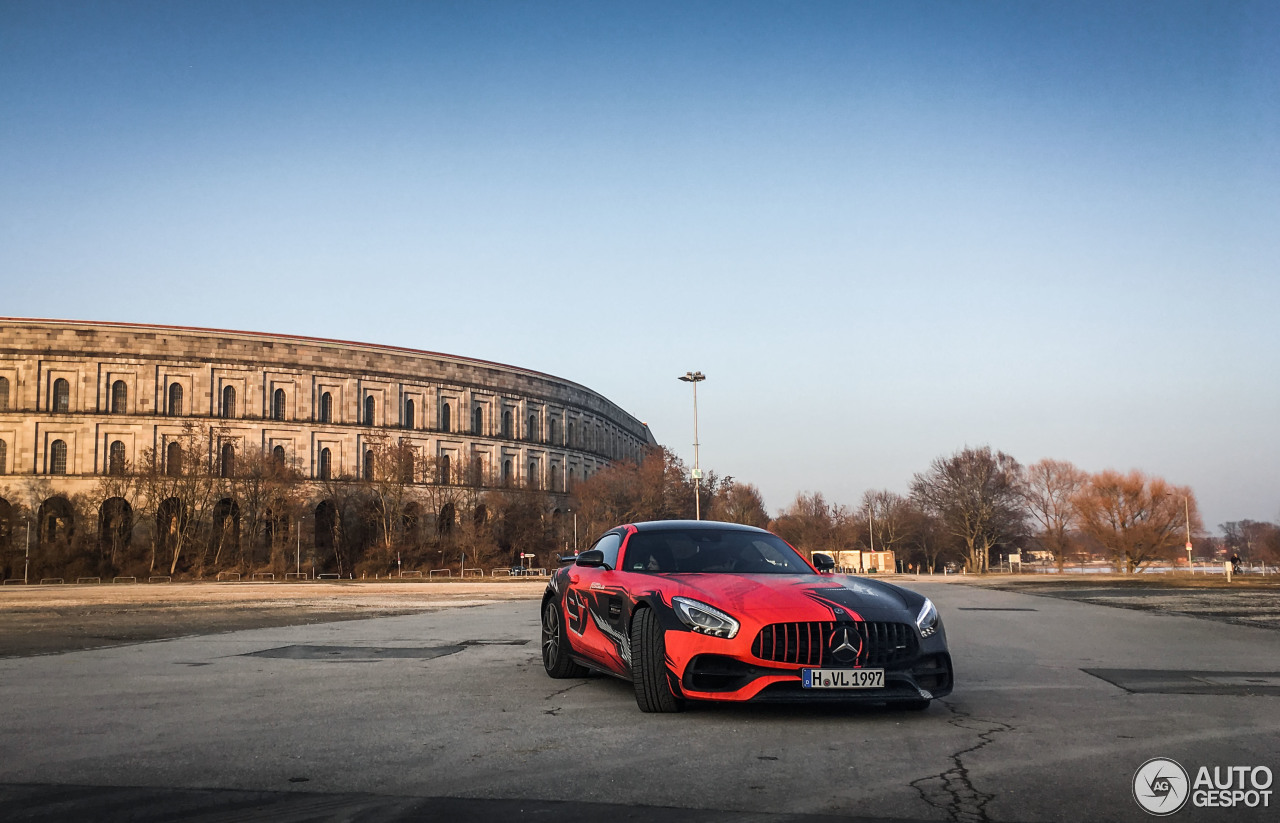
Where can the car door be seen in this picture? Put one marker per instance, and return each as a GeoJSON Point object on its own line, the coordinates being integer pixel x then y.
{"type": "Point", "coordinates": [595, 610]}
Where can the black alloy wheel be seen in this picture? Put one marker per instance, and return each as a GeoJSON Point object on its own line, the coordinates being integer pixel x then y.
{"type": "Point", "coordinates": [555, 646]}
{"type": "Point", "coordinates": [649, 672]}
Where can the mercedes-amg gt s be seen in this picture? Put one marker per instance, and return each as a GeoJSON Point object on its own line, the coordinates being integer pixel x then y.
{"type": "Point", "coordinates": [699, 610]}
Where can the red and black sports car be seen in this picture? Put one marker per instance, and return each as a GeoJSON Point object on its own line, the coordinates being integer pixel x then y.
{"type": "Point", "coordinates": [697, 610]}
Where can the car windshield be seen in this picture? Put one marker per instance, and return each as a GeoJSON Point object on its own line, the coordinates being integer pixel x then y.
{"type": "Point", "coordinates": [725, 551]}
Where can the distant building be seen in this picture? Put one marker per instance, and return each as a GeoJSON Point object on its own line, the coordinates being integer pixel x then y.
{"type": "Point", "coordinates": [79, 400]}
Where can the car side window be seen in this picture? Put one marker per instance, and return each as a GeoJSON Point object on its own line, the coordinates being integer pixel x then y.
{"type": "Point", "coordinates": [609, 546]}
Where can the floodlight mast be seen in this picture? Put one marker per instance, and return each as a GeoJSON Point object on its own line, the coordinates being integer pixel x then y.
{"type": "Point", "coordinates": [695, 377]}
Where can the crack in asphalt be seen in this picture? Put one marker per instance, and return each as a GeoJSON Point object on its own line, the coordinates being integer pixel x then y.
{"type": "Point", "coordinates": [555, 710]}
{"type": "Point", "coordinates": [952, 791]}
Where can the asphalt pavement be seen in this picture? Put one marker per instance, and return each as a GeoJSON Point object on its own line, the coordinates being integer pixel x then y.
{"type": "Point", "coordinates": [448, 715]}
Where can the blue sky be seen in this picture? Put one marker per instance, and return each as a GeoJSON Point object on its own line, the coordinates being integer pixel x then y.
{"type": "Point", "coordinates": [883, 230]}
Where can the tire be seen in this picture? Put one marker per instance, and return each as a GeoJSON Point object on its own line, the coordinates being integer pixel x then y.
{"type": "Point", "coordinates": [555, 646]}
{"type": "Point", "coordinates": [649, 672]}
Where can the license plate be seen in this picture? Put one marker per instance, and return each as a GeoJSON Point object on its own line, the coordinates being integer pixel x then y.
{"type": "Point", "coordinates": [843, 678]}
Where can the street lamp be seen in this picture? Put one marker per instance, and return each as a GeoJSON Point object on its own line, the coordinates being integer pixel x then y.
{"type": "Point", "coordinates": [695, 377]}
{"type": "Point", "coordinates": [1186, 505]}
{"type": "Point", "coordinates": [1186, 508]}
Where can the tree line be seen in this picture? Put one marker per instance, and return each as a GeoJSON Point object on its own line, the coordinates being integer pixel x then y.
{"type": "Point", "coordinates": [967, 508]}
{"type": "Point", "coordinates": [198, 510]}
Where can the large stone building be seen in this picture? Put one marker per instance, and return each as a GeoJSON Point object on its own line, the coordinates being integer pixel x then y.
{"type": "Point", "coordinates": [79, 400]}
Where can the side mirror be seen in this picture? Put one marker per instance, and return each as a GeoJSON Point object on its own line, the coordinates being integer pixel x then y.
{"type": "Point", "coordinates": [824, 563]}
{"type": "Point", "coordinates": [593, 558]}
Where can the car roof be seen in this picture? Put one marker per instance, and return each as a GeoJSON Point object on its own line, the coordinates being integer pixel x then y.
{"type": "Point", "coordinates": [686, 525]}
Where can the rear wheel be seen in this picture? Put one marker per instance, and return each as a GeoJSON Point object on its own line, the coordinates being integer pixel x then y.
{"type": "Point", "coordinates": [649, 673]}
{"type": "Point", "coordinates": [555, 646]}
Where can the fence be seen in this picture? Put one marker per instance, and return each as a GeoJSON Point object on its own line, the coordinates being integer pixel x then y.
{"type": "Point", "coordinates": [434, 572]}
{"type": "Point", "coordinates": [263, 576]}
{"type": "Point", "coordinates": [295, 575]}
{"type": "Point", "coordinates": [88, 579]}
{"type": "Point", "coordinates": [229, 575]}
{"type": "Point", "coordinates": [160, 579]}
{"type": "Point", "coordinates": [51, 581]}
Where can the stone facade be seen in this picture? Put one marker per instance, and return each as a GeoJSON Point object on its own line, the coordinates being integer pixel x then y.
{"type": "Point", "coordinates": [73, 393]}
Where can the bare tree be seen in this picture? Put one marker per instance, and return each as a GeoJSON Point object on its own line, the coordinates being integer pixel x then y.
{"type": "Point", "coordinates": [931, 542]}
{"type": "Point", "coordinates": [977, 494]}
{"type": "Point", "coordinates": [1050, 493]}
{"type": "Point", "coordinates": [892, 519]}
{"type": "Point", "coordinates": [810, 523]}
{"type": "Point", "coordinates": [117, 527]}
{"type": "Point", "coordinates": [181, 487]}
{"type": "Point", "coordinates": [1136, 517]}
{"type": "Point", "coordinates": [390, 480]}
{"type": "Point", "coordinates": [735, 502]}
{"type": "Point", "coordinates": [1251, 539]}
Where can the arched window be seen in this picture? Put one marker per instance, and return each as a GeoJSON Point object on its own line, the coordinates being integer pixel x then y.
{"type": "Point", "coordinates": [445, 423]}
{"type": "Point", "coordinates": [555, 478]}
{"type": "Point", "coordinates": [326, 464]}
{"type": "Point", "coordinates": [551, 430]}
{"type": "Point", "coordinates": [115, 458]}
{"type": "Point", "coordinates": [368, 465]}
{"type": "Point", "coordinates": [277, 405]}
{"type": "Point", "coordinates": [4, 457]}
{"type": "Point", "coordinates": [58, 457]}
{"type": "Point", "coordinates": [326, 408]}
{"type": "Point", "coordinates": [173, 460]}
{"type": "Point", "coordinates": [175, 399]}
{"type": "Point", "coordinates": [4, 394]}
{"type": "Point", "coordinates": [444, 469]}
{"type": "Point", "coordinates": [61, 395]}
{"type": "Point", "coordinates": [408, 414]}
{"type": "Point", "coordinates": [506, 424]}
{"type": "Point", "coordinates": [228, 401]}
{"type": "Point", "coordinates": [119, 398]}
{"type": "Point", "coordinates": [227, 465]}
{"type": "Point", "coordinates": [370, 406]}
{"type": "Point", "coordinates": [506, 472]}
{"type": "Point", "coordinates": [571, 441]}
{"type": "Point", "coordinates": [477, 420]}
{"type": "Point", "coordinates": [533, 475]}
{"type": "Point", "coordinates": [277, 458]}
{"type": "Point", "coordinates": [533, 427]}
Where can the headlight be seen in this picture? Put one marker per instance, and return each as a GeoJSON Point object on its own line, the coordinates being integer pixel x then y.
{"type": "Point", "coordinates": [927, 619]}
{"type": "Point", "coordinates": [703, 618]}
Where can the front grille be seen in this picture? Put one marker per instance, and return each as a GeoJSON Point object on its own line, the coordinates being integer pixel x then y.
{"type": "Point", "coordinates": [808, 644]}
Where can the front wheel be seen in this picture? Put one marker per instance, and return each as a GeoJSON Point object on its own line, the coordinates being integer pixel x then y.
{"type": "Point", "coordinates": [649, 672]}
{"type": "Point", "coordinates": [555, 646]}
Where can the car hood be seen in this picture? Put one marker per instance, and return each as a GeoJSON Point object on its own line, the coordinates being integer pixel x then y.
{"type": "Point", "coordinates": [796, 597]}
